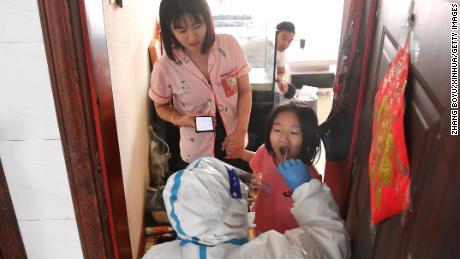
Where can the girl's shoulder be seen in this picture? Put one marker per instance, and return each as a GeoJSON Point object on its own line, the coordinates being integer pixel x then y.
{"type": "Point", "coordinates": [262, 149]}
{"type": "Point", "coordinates": [262, 152]}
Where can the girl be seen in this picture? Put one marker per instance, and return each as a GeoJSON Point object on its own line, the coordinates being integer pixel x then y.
{"type": "Point", "coordinates": [201, 74]}
{"type": "Point", "coordinates": [292, 133]}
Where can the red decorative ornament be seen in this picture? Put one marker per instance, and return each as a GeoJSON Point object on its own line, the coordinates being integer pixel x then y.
{"type": "Point", "coordinates": [388, 160]}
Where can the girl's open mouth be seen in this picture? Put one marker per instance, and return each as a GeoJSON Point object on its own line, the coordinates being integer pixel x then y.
{"type": "Point", "coordinates": [284, 151]}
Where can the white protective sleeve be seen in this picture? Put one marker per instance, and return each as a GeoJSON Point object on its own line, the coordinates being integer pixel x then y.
{"type": "Point", "coordinates": [322, 233]}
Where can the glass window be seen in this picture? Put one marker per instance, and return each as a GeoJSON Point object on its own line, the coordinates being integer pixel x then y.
{"type": "Point", "coordinates": [253, 22]}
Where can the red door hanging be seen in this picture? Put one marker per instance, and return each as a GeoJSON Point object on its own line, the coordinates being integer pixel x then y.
{"type": "Point", "coordinates": [388, 160]}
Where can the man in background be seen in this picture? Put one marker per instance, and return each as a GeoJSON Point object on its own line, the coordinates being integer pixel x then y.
{"type": "Point", "coordinates": [285, 32]}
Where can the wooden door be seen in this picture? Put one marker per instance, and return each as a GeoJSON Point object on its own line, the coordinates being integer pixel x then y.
{"type": "Point", "coordinates": [11, 245]}
{"type": "Point", "coordinates": [428, 229]}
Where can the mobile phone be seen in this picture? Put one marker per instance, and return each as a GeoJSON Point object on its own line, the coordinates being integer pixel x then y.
{"type": "Point", "coordinates": [204, 124]}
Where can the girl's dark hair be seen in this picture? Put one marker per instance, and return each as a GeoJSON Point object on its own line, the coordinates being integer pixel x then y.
{"type": "Point", "coordinates": [173, 11]}
{"type": "Point", "coordinates": [308, 124]}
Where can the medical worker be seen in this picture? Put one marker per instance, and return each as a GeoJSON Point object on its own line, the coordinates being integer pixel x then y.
{"type": "Point", "coordinates": [206, 204]}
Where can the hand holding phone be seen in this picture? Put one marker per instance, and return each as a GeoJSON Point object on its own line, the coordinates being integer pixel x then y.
{"type": "Point", "coordinates": [204, 124]}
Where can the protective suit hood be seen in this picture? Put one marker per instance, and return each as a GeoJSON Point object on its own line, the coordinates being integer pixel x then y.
{"type": "Point", "coordinates": [207, 210]}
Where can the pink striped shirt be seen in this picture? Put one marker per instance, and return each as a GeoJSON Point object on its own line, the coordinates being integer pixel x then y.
{"type": "Point", "coordinates": [182, 83]}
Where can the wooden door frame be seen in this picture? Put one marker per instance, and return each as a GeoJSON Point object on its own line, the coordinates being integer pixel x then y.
{"type": "Point", "coordinates": [76, 51]}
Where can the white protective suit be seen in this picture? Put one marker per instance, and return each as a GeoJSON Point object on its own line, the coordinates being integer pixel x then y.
{"type": "Point", "coordinates": [206, 205]}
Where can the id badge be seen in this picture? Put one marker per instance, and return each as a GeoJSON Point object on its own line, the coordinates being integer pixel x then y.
{"type": "Point", "coordinates": [229, 82]}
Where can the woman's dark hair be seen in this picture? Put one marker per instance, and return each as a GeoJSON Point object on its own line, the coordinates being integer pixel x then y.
{"type": "Point", "coordinates": [173, 11]}
{"type": "Point", "coordinates": [308, 124]}
{"type": "Point", "coordinates": [286, 26]}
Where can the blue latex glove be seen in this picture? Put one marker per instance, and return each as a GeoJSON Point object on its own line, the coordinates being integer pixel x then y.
{"type": "Point", "coordinates": [294, 172]}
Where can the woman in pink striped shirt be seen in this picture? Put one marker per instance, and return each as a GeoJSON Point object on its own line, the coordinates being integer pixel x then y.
{"type": "Point", "coordinates": [201, 74]}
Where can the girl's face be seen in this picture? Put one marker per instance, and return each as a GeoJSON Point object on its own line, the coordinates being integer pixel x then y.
{"type": "Point", "coordinates": [286, 136]}
{"type": "Point", "coordinates": [190, 33]}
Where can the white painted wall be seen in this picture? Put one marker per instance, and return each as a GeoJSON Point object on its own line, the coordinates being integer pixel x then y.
{"type": "Point", "coordinates": [129, 31]}
{"type": "Point", "coordinates": [30, 145]}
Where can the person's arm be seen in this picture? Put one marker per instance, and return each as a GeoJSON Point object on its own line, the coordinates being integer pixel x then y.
{"type": "Point", "coordinates": [322, 233]}
{"type": "Point", "coordinates": [282, 83]}
{"type": "Point", "coordinates": [153, 52]}
{"type": "Point", "coordinates": [327, 235]}
{"type": "Point", "coordinates": [286, 88]}
{"type": "Point", "coordinates": [280, 72]}
{"type": "Point", "coordinates": [162, 97]}
{"type": "Point", "coordinates": [234, 142]}
{"type": "Point", "coordinates": [167, 113]}
{"type": "Point", "coordinates": [247, 155]}
{"type": "Point", "coordinates": [244, 103]}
